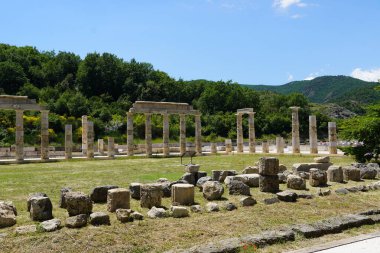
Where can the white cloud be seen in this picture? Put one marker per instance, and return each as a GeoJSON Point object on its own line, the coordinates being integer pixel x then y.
{"type": "Point", "coordinates": [296, 16]}
{"type": "Point", "coordinates": [285, 4]}
{"type": "Point", "coordinates": [372, 75]}
{"type": "Point", "coordinates": [311, 76]}
{"type": "Point", "coordinates": [290, 77]}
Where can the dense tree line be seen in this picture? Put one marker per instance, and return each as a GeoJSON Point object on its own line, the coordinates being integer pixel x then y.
{"type": "Point", "coordinates": [104, 87]}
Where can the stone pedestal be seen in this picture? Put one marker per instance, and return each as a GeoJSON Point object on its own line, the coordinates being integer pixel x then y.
{"type": "Point", "coordinates": [130, 134]}
{"type": "Point", "coordinates": [183, 194]}
{"type": "Point", "coordinates": [295, 130]}
{"type": "Point", "coordinates": [265, 147]}
{"type": "Point", "coordinates": [268, 170]}
{"type": "Point", "coordinates": [182, 133]}
{"type": "Point", "coordinates": [101, 146]}
{"type": "Point", "coordinates": [150, 195]}
{"type": "Point", "coordinates": [279, 145]}
{"type": "Point", "coordinates": [239, 129]}
{"type": "Point", "coordinates": [84, 134]}
{"type": "Point", "coordinates": [317, 177]}
{"type": "Point", "coordinates": [165, 134]}
{"type": "Point", "coordinates": [228, 143]}
{"type": "Point", "coordinates": [44, 135]}
{"type": "Point", "coordinates": [213, 148]}
{"type": "Point", "coordinates": [251, 129]}
{"type": "Point", "coordinates": [313, 134]}
{"type": "Point", "coordinates": [68, 141]}
{"type": "Point", "coordinates": [333, 143]}
{"type": "Point", "coordinates": [19, 135]}
{"type": "Point", "coordinates": [148, 134]}
{"type": "Point", "coordinates": [198, 134]}
{"type": "Point", "coordinates": [41, 208]}
{"type": "Point", "coordinates": [111, 147]}
{"type": "Point", "coordinates": [335, 174]}
{"type": "Point", "coordinates": [351, 173]}
{"type": "Point", "coordinates": [118, 198]}
{"type": "Point", "coordinates": [90, 139]}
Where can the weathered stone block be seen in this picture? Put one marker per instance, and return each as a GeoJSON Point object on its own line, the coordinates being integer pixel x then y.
{"type": "Point", "coordinates": [41, 209]}
{"type": "Point", "coordinates": [323, 159]}
{"type": "Point", "coordinates": [212, 207]}
{"type": "Point", "coordinates": [134, 189]}
{"type": "Point", "coordinates": [32, 195]}
{"type": "Point", "coordinates": [317, 177]}
{"type": "Point", "coordinates": [296, 182]}
{"type": "Point", "coordinates": [202, 180]}
{"type": "Point", "coordinates": [268, 166]}
{"type": "Point", "coordinates": [77, 221]}
{"type": "Point", "coordinates": [238, 188]}
{"type": "Point", "coordinates": [212, 190]}
{"type": "Point", "coordinates": [335, 174]}
{"type": "Point", "coordinates": [183, 194]}
{"type": "Point", "coordinates": [252, 180]}
{"type": "Point", "coordinates": [351, 173]}
{"type": "Point", "coordinates": [179, 212]}
{"type": "Point", "coordinates": [305, 167]}
{"type": "Point", "coordinates": [287, 196]}
{"type": "Point", "coordinates": [99, 193]}
{"type": "Point", "coordinates": [99, 218]}
{"type": "Point", "coordinates": [118, 198]}
{"type": "Point", "coordinates": [8, 214]}
{"type": "Point", "coordinates": [247, 201]}
{"type": "Point", "coordinates": [50, 225]}
{"type": "Point", "coordinates": [62, 199]}
{"type": "Point", "coordinates": [124, 215]}
{"type": "Point", "coordinates": [269, 184]}
{"type": "Point", "coordinates": [192, 168]}
{"type": "Point", "coordinates": [251, 170]}
{"type": "Point", "coordinates": [150, 195]}
{"type": "Point", "coordinates": [78, 203]}
{"type": "Point", "coordinates": [220, 175]}
{"type": "Point", "coordinates": [155, 212]}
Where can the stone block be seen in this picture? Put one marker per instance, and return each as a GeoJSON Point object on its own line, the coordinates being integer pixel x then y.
{"type": "Point", "coordinates": [252, 180]}
{"type": "Point", "coordinates": [323, 159]}
{"type": "Point", "coordinates": [296, 182]}
{"type": "Point", "coordinates": [335, 174]}
{"type": "Point", "coordinates": [305, 167]}
{"type": "Point", "coordinates": [212, 207]}
{"type": "Point", "coordinates": [251, 170]}
{"type": "Point", "coordinates": [41, 209]}
{"type": "Point", "coordinates": [351, 173]}
{"type": "Point", "coordinates": [118, 198]}
{"type": "Point", "coordinates": [62, 199]}
{"type": "Point", "coordinates": [179, 212]}
{"type": "Point", "coordinates": [150, 195]}
{"type": "Point", "coordinates": [99, 218]}
{"type": "Point", "coordinates": [78, 203]}
{"type": "Point", "coordinates": [202, 180]}
{"type": "Point", "coordinates": [238, 188]}
{"type": "Point", "coordinates": [155, 212]}
{"type": "Point", "coordinates": [220, 175]}
{"type": "Point", "coordinates": [183, 194]}
{"type": "Point", "coordinates": [190, 178]}
{"type": "Point", "coordinates": [212, 190]}
{"type": "Point", "coordinates": [8, 214]}
{"type": "Point", "coordinates": [317, 177]}
{"type": "Point", "coordinates": [99, 193]}
{"type": "Point", "coordinates": [269, 184]}
{"type": "Point", "coordinates": [50, 225]}
{"type": "Point", "coordinates": [134, 189]}
{"type": "Point", "coordinates": [32, 195]}
{"type": "Point", "coordinates": [192, 168]}
{"type": "Point", "coordinates": [76, 221]}
{"type": "Point", "coordinates": [287, 196]}
{"type": "Point", "coordinates": [268, 166]}
{"type": "Point", "coordinates": [247, 201]}
{"type": "Point", "coordinates": [124, 215]}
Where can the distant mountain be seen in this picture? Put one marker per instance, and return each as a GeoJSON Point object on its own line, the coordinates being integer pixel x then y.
{"type": "Point", "coordinates": [329, 89]}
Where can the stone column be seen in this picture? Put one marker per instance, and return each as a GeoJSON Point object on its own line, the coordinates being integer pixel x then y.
{"type": "Point", "coordinates": [198, 134]}
{"type": "Point", "coordinates": [228, 144]}
{"type": "Point", "coordinates": [295, 130]}
{"type": "Point", "coordinates": [19, 135]}
{"type": "Point", "coordinates": [213, 148]}
{"type": "Point", "coordinates": [111, 147]}
{"type": "Point", "coordinates": [165, 134]}
{"type": "Point", "coordinates": [68, 141]}
{"type": "Point", "coordinates": [279, 145]}
{"type": "Point", "coordinates": [182, 133]}
{"type": "Point", "coordinates": [148, 134]}
{"type": "Point", "coordinates": [84, 134]}
{"type": "Point", "coordinates": [101, 146]}
{"type": "Point", "coordinates": [44, 135]}
{"type": "Point", "coordinates": [252, 137]}
{"type": "Point", "coordinates": [333, 142]}
{"type": "Point", "coordinates": [239, 132]}
{"type": "Point", "coordinates": [313, 134]}
{"type": "Point", "coordinates": [130, 133]}
{"type": "Point", "coordinates": [90, 139]}
{"type": "Point", "coordinates": [265, 147]}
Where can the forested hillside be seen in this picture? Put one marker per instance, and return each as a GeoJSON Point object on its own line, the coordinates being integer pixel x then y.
{"type": "Point", "coordinates": [329, 89]}
{"type": "Point", "coordinates": [104, 87]}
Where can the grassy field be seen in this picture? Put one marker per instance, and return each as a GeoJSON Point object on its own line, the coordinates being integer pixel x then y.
{"type": "Point", "coordinates": [17, 181]}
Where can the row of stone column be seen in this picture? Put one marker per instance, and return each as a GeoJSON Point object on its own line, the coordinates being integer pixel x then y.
{"type": "Point", "coordinates": [251, 132]}
{"type": "Point", "coordinates": [313, 139]}
{"type": "Point", "coordinates": [87, 141]}
{"type": "Point", "coordinates": [20, 135]}
{"type": "Point", "coordinates": [165, 134]}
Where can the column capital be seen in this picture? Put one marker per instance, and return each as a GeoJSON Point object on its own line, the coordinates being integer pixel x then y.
{"type": "Point", "coordinates": [295, 108]}
{"type": "Point", "coordinates": [44, 110]}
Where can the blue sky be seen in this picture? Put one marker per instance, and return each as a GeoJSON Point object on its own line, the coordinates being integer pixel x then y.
{"type": "Point", "coordinates": [246, 41]}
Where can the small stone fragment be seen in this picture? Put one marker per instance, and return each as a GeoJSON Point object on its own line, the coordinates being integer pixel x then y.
{"type": "Point", "coordinates": [155, 212]}
{"type": "Point", "coordinates": [179, 212]}
{"type": "Point", "coordinates": [196, 208]}
{"type": "Point", "coordinates": [287, 196]}
{"type": "Point", "coordinates": [212, 190]}
{"type": "Point", "coordinates": [212, 207]}
{"type": "Point", "coordinates": [99, 218]}
{"type": "Point", "coordinates": [247, 201]}
{"type": "Point", "coordinates": [76, 221]}
{"type": "Point", "coordinates": [50, 225]}
{"type": "Point", "coordinates": [124, 215]}
{"type": "Point", "coordinates": [26, 229]}
{"type": "Point", "coordinates": [137, 216]}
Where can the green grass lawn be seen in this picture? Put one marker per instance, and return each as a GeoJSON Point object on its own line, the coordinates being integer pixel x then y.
{"type": "Point", "coordinates": [17, 181]}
